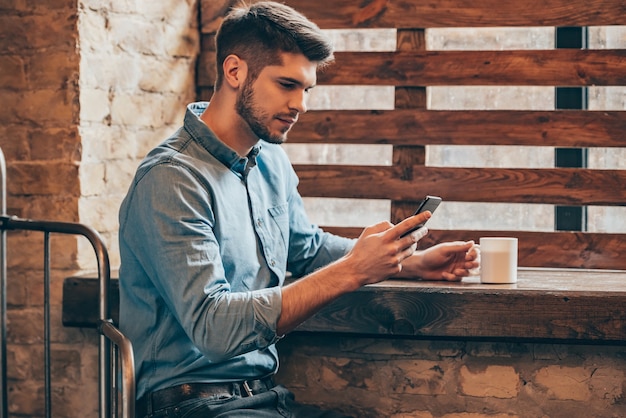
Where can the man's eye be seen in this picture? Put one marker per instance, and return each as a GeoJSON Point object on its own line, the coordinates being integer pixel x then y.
{"type": "Point", "coordinates": [288, 86]}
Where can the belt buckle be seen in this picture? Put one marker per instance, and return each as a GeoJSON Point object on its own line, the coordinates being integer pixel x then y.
{"type": "Point", "coordinates": [247, 388]}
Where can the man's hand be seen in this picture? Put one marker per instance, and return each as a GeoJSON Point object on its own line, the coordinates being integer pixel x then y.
{"type": "Point", "coordinates": [450, 261]}
{"type": "Point", "coordinates": [381, 249]}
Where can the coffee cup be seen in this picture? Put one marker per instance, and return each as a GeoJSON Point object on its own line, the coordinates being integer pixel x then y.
{"type": "Point", "coordinates": [498, 260]}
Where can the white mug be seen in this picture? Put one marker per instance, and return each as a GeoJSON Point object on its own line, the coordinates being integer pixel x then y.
{"type": "Point", "coordinates": [498, 260]}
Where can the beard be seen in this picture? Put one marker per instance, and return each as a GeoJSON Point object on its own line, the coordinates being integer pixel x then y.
{"type": "Point", "coordinates": [250, 112]}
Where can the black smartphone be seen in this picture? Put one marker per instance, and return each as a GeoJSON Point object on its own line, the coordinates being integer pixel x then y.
{"type": "Point", "coordinates": [429, 203]}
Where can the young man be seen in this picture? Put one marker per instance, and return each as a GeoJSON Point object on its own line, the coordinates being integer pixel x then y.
{"type": "Point", "coordinates": [213, 221]}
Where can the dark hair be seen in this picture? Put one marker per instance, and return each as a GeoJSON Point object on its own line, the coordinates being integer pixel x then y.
{"type": "Point", "coordinates": [259, 33]}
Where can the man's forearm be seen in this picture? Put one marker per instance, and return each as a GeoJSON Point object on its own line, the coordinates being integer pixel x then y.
{"type": "Point", "coordinates": [377, 255]}
{"type": "Point", "coordinates": [304, 297]}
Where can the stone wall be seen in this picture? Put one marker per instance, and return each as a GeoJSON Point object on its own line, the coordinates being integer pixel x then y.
{"type": "Point", "coordinates": [87, 87]}
{"type": "Point", "coordinates": [401, 378]}
{"type": "Point", "coordinates": [137, 69]}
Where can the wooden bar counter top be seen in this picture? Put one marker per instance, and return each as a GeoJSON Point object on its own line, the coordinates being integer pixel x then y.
{"type": "Point", "coordinates": [544, 304]}
{"type": "Point", "coordinates": [558, 305]}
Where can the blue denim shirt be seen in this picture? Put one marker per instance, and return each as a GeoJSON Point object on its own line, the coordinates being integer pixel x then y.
{"type": "Point", "coordinates": [206, 238]}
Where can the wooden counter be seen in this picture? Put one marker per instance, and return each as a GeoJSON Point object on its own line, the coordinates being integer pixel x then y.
{"type": "Point", "coordinates": [547, 304]}
{"type": "Point", "coordinates": [567, 305]}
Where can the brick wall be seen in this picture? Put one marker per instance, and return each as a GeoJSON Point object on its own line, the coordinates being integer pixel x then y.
{"type": "Point", "coordinates": [137, 69]}
{"type": "Point", "coordinates": [400, 378]}
{"type": "Point", "coordinates": [86, 87]}
{"type": "Point", "coordinates": [39, 73]}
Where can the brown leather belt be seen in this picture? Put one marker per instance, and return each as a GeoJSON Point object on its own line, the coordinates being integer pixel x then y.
{"type": "Point", "coordinates": [174, 395]}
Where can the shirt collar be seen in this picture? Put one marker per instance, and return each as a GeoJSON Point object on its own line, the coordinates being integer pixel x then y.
{"type": "Point", "coordinates": [205, 136]}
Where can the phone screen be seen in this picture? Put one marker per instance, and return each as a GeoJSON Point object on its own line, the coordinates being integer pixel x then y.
{"type": "Point", "coordinates": [429, 203]}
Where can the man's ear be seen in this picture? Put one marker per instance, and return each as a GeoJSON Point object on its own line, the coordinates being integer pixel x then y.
{"type": "Point", "coordinates": [235, 71]}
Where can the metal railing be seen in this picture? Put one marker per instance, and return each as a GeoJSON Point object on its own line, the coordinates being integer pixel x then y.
{"type": "Point", "coordinates": [112, 343]}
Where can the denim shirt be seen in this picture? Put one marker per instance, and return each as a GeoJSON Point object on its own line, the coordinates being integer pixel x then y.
{"type": "Point", "coordinates": [206, 238]}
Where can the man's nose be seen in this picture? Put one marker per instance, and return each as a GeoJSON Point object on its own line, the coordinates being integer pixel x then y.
{"type": "Point", "coordinates": [298, 101]}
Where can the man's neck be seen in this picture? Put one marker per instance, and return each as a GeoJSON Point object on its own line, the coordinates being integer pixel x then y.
{"type": "Point", "coordinates": [220, 116]}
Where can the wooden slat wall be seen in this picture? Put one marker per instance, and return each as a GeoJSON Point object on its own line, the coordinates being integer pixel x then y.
{"type": "Point", "coordinates": [403, 14]}
{"type": "Point", "coordinates": [565, 67]}
{"type": "Point", "coordinates": [410, 126]}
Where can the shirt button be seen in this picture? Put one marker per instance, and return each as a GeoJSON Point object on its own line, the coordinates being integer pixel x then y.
{"type": "Point", "coordinates": [259, 222]}
{"type": "Point", "coordinates": [272, 263]}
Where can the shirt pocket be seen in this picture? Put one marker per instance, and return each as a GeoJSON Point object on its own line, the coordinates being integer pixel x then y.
{"type": "Point", "coordinates": [280, 225]}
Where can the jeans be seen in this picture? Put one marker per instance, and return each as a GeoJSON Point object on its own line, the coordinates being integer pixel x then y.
{"type": "Point", "coordinates": [275, 403]}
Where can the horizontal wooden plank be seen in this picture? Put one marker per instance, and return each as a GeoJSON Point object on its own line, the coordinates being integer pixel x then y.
{"type": "Point", "coordinates": [443, 13]}
{"type": "Point", "coordinates": [559, 67]}
{"type": "Point", "coordinates": [430, 127]}
{"type": "Point", "coordinates": [461, 13]}
{"type": "Point", "coordinates": [562, 67]}
{"type": "Point", "coordinates": [559, 186]}
{"type": "Point", "coordinates": [554, 249]}
{"type": "Point", "coordinates": [81, 301]}
{"type": "Point", "coordinates": [584, 250]}
{"type": "Point", "coordinates": [566, 305]}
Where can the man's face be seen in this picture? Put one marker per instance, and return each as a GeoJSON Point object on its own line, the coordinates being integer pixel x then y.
{"type": "Point", "coordinates": [270, 105]}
